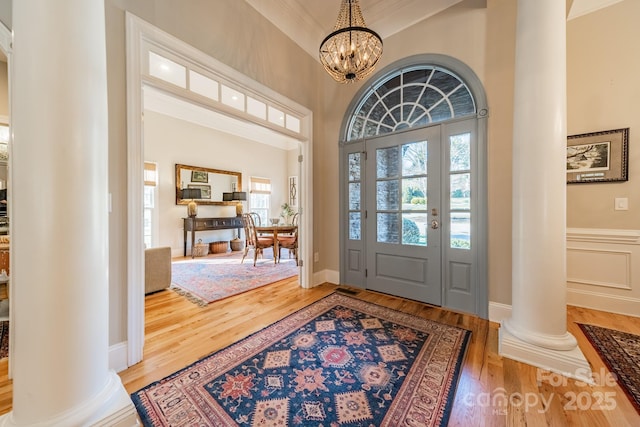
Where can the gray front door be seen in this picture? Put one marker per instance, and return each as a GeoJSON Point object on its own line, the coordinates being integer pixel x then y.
{"type": "Point", "coordinates": [402, 215]}
{"type": "Point", "coordinates": [411, 210]}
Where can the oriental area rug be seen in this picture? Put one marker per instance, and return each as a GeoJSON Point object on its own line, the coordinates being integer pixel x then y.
{"type": "Point", "coordinates": [620, 351]}
{"type": "Point", "coordinates": [207, 279]}
{"type": "Point", "coordinates": [339, 361]}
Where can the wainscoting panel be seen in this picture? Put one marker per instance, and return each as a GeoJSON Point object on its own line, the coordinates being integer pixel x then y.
{"type": "Point", "coordinates": [603, 269]}
{"type": "Point", "coordinates": [599, 267]}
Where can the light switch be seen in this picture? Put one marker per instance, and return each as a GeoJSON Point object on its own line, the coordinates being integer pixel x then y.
{"type": "Point", "coordinates": [622, 204]}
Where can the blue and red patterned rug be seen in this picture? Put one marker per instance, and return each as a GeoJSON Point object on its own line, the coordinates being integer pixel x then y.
{"type": "Point", "coordinates": [620, 351]}
{"type": "Point", "coordinates": [339, 361]}
{"type": "Point", "coordinates": [207, 279]}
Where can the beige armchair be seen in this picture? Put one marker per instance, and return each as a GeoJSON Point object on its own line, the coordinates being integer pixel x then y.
{"type": "Point", "coordinates": [157, 269]}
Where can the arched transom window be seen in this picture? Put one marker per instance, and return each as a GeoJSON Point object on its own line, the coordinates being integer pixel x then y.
{"type": "Point", "coordinates": [412, 97]}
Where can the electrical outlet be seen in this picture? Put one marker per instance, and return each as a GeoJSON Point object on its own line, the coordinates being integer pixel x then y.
{"type": "Point", "coordinates": [316, 256]}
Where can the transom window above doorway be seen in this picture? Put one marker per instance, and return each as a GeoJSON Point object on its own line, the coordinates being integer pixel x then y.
{"type": "Point", "coordinates": [411, 97]}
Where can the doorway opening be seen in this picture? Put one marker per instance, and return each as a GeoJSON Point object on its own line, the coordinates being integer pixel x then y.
{"type": "Point", "coordinates": [194, 76]}
{"type": "Point", "coordinates": [413, 185]}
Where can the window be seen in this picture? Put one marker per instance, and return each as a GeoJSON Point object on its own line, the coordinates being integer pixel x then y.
{"type": "Point", "coordinates": [411, 97]}
{"type": "Point", "coordinates": [150, 181]}
{"type": "Point", "coordinates": [260, 198]}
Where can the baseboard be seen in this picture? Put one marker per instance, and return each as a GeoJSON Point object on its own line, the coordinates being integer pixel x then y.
{"type": "Point", "coordinates": [326, 276]}
{"type": "Point", "coordinates": [118, 360]}
{"type": "Point", "coordinates": [604, 302]}
{"type": "Point", "coordinates": [499, 312]}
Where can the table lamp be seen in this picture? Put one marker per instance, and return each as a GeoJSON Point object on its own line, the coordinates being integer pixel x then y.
{"type": "Point", "coordinates": [239, 196]}
{"type": "Point", "coordinates": [191, 194]}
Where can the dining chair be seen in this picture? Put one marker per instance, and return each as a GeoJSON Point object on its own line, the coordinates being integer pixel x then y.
{"type": "Point", "coordinates": [256, 218]}
{"type": "Point", "coordinates": [254, 241]}
{"type": "Point", "coordinates": [289, 241]}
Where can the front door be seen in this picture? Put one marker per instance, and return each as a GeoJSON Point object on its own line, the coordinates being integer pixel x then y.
{"type": "Point", "coordinates": [411, 209]}
{"type": "Point", "coordinates": [402, 223]}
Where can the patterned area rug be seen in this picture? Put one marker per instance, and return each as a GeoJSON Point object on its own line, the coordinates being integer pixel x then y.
{"type": "Point", "coordinates": [208, 279]}
{"type": "Point", "coordinates": [338, 361]}
{"type": "Point", "coordinates": [620, 351]}
{"type": "Point", "coordinates": [4, 339]}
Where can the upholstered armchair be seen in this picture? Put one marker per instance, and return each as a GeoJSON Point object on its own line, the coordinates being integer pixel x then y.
{"type": "Point", "coordinates": [157, 269]}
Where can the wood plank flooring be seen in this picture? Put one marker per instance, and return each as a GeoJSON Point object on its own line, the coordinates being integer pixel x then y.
{"type": "Point", "coordinates": [179, 333]}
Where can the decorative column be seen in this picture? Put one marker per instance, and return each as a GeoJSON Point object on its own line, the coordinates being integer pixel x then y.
{"type": "Point", "coordinates": [537, 333]}
{"type": "Point", "coordinates": [59, 276]}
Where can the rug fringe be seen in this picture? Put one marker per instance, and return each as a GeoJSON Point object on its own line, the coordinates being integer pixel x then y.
{"type": "Point", "coordinates": [188, 295]}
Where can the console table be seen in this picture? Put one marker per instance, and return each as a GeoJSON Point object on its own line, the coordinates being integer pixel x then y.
{"type": "Point", "coordinates": [204, 224]}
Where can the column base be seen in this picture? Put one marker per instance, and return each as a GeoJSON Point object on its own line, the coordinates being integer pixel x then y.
{"type": "Point", "coordinates": [112, 407]}
{"type": "Point", "coordinates": [570, 363]}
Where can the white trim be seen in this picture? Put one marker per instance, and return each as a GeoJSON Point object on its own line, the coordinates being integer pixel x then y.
{"type": "Point", "coordinates": [605, 302]}
{"type": "Point", "coordinates": [118, 356]}
{"type": "Point", "coordinates": [326, 276]}
{"type": "Point", "coordinates": [139, 34]}
{"type": "Point", "coordinates": [135, 167]}
{"type": "Point", "coordinates": [625, 283]}
{"type": "Point", "coordinates": [499, 312]}
{"type": "Point", "coordinates": [602, 235]}
{"type": "Point", "coordinates": [570, 363]}
{"type": "Point", "coordinates": [112, 407]}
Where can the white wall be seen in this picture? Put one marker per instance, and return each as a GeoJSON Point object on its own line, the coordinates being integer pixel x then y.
{"type": "Point", "coordinates": [168, 141]}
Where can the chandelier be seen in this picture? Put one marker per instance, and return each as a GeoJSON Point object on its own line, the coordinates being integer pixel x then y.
{"type": "Point", "coordinates": [351, 51]}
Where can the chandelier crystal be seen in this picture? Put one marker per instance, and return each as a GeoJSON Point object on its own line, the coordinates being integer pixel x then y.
{"type": "Point", "coordinates": [351, 51]}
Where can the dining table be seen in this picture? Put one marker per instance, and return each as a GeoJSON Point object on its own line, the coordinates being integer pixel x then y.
{"type": "Point", "coordinates": [275, 230]}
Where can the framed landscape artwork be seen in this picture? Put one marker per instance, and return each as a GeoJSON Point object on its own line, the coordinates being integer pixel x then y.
{"type": "Point", "coordinates": [598, 157]}
{"type": "Point", "coordinates": [205, 190]}
{"type": "Point", "coordinates": [199, 176]}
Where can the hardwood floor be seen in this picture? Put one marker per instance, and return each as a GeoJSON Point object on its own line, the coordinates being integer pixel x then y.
{"type": "Point", "coordinates": [179, 333]}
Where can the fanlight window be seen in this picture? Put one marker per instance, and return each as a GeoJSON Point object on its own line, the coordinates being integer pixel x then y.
{"type": "Point", "coordinates": [408, 98]}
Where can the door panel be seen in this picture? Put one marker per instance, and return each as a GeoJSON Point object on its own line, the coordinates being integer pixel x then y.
{"type": "Point", "coordinates": [460, 218]}
{"type": "Point", "coordinates": [402, 192]}
{"type": "Point", "coordinates": [353, 267]}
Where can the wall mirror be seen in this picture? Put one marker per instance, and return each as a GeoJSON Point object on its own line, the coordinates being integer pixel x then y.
{"type": "Point", "coordinates": [211, 183]}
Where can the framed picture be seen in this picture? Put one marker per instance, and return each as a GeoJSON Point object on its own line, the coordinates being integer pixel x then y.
{"type": "Point", "coordinates": [598, 157]}
{"type": "Point", "coordinates": [199, 176]}
{"type": "Point", "coordinates": [293, 191]}
{"type": "Point", "coordinates": [205, 190]}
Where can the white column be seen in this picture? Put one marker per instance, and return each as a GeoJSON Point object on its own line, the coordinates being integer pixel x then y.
{"type": "Point", "coordinates": [59, 280]}
{"type": "Point", "coordinates": [537, 333]}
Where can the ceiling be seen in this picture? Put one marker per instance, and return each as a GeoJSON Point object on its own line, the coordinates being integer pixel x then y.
{"type": "Point", "coordinates": [308, 22]}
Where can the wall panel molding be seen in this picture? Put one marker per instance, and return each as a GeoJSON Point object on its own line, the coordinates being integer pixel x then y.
{"type": "Point", "coordinates": [599, 235]}
{"type": "Point", "coordinates": [603, 269]}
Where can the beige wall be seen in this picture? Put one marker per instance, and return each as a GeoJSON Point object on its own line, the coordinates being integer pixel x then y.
{"type": "Point", "coordinates": [603, 92]}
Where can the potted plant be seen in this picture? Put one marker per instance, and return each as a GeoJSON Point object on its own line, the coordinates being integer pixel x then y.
{"type": "Point", "coordinates": [287, 213]}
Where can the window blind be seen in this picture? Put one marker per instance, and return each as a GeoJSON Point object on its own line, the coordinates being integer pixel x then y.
{"type": "Point", "coordinates": [260, 185]}
{"type": "Point", "coordinates": [150, 174]}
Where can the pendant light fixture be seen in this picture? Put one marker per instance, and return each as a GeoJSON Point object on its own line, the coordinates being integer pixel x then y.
{"type": "Point", "coordinates": [351, 51]}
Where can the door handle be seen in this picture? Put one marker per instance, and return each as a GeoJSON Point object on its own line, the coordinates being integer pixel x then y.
{"type": "Point", "coordinates": [435, 224]}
